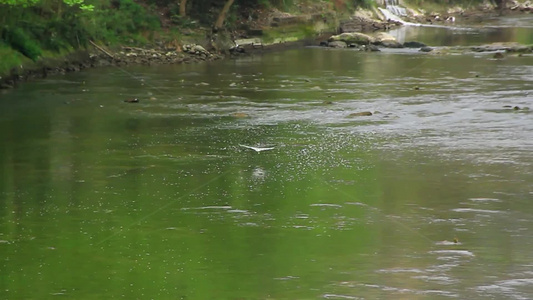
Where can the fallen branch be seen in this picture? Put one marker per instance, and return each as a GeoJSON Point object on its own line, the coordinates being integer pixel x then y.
{"type": "Point", "coordinates": [101, 49]}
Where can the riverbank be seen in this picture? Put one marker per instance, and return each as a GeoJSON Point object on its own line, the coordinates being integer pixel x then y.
{"type": "Point", "coordinates": [269, 30]}
{"type": "Point", "coordinates": [99, 56]}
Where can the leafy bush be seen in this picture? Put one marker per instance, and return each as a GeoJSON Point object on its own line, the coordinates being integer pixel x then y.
{"type": "Point", "coordinates": [137, 16]}
{"type": "Point", "coordinates": [365, 3]}
{"type": "Point", "coordinates": [10, 58]}
{"type": "Point", "coordinates": [22, 42]}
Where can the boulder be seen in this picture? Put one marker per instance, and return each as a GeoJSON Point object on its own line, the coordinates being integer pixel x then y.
{"type": "Point", "coordinates": [414, 44]}
{"type": "Point", "coordinates": [7, 85]}
{"type": "Point", "coordinates": [426, 49]}
{"type": "Point", "coordinates": [386, 40]}
{"type": "Point", "coordinates": [196, 50]}
{"type": "Point", "coordinates": [360, 114]}
{"type": "Point", "coordinates": [371, 48]}
{"type": "Point", "coordinates": [353, 38]}
{"type": "Point", "coordinates": [356, 46]}
{"type": "Point", "coordinates": [337, 44]}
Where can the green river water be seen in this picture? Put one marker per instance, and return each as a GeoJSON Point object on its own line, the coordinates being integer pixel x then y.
{"type": "Point", "coordinates": [102, 199]}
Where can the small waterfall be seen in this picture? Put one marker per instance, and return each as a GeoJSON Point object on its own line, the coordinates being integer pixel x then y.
{"type": "Point", "coordinates": [393, 11]}
{"type": "Point", "coordinates": [391, 16]}
{"type": "Point", "coordinates": [394, 7]}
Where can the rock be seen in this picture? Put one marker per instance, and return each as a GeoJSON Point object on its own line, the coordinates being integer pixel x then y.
{"type": "Point", "coordinates": [516, 107]}
{"type": "Point", "coordinates": [351, 26]}
{"type": "Point", "coordinates": [414, 44]}
{"type": "Point", "coordinates": [360, 114]}
{"type": "Point", "coordinates": [455, 10]}
{"type": "Point", "coordinates": [239, 115]}
{"type": "Point", "coordinates": [237, 49]}
{"type": "Point", "coordinates": [287, 20]}
{"type": "Point", "coordinates": [498, 55]}
{"type": "Point", "coordinates": [361, 22]}
{"type": "Point", "coordinates": [371, 48]}
{"type": "Point", "coordinates": [360, 47]}
{"type": "Point", "coordinates": [503, 47]}
{"type": "Point", "coordinates": [132, 100]}
{"type": "Point", "coordinates": [200, 49]}
{"type": "Point", "coordinates": [196, 50]}
{"type": "Point", "coordinates": [353, 37]}
{"type": "Point", "coordinates": [391, 44]}
{"type": "Point", "coordinates": [7, 85]}
{"type": "Point", "coordinates": [426, 49]}
{"type": "Point", "coordinates": [386, 40]}
{"type": "Point", "coordinates": [337, 44]}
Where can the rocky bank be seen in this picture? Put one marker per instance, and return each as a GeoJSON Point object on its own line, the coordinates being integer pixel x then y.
{"type": "Point", "coordinates": [363, 30]}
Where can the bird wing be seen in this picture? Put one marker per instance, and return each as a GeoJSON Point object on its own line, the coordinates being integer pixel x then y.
{"type": "Point", "coordinates": [249, 147]}
{"type": "Point", "coordinates": [258, 149]}
{"type": "Point", "coordinates": [265, 149]}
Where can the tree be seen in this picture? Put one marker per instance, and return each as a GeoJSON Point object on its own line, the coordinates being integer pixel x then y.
{"type": "Point", "coordinates": [183, 8]}
{"type": "Point", "coordinates": [222, 16]}
{"type": "Point", "coordinates": [23, 3]}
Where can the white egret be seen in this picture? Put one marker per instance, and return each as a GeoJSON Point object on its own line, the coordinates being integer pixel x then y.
{"type": "Point", "coordinates": [257, 149]}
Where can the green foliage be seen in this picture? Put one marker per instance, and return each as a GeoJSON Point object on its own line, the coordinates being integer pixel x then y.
{"type": "Point", "coordinates": [232, 16]}
{"type": "Point", "coordinates": [23, 3]}
{"type": "Point", "coordinates": [365, 3]}
{"type": "Point", "coordinates": [128, 19]}
{"type": "Point", "coordinates": [264, 3]}
{"type": "Point", "coordinates": [55, 25]}
{"type": "Point", "coordinates": [282, 4]}
{"type": "Point", "coordinates": [22, 42]}
{"type": "Point", "coordinates": [10, 58]}
{"type": "Point", "coordinates": [182, 22]}
{"type": "Point", "coordinates": [125, 22]}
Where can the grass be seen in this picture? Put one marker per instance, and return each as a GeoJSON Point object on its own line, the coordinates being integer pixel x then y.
{"type": "Point", "coordinates": [10, 59]}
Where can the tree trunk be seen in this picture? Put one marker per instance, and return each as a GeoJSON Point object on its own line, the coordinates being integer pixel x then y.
{"type": "Point", "coordinates": [222, 15]}
{"type": "Point", "coordinates": [501, 5]}
{"type": "Point", "coordinates": [183, 8]}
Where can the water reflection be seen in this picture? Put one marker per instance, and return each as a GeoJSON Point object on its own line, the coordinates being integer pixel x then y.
{"type": "Point", "coordinates": [498, 30]}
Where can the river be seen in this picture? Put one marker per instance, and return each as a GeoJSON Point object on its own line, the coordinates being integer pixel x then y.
{"type": "Point", "coordinates": [430, 197]}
